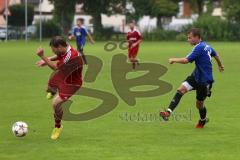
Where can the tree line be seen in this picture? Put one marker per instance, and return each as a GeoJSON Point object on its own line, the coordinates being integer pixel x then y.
{"type": "Point", "coordinates": [64, 11]}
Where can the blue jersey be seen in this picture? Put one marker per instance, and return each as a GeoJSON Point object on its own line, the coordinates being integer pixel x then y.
{"type": "Point", "coordinates": [80, 33]}
{"type": "Point", "coordinates": [202, 54]}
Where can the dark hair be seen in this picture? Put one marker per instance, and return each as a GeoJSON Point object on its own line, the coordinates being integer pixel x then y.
{"type": "Point", "coordinates": [81, 20]}
{"type": "Point", "coordinates": [195, 32]}
{"type": "Point", "coordinates": [58, 41]}
{"type": "Point", "coordinates": [132, 21]}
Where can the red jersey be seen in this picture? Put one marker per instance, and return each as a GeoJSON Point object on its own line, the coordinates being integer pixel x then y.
{"type": "Point", "coordinates": [67, 79]}
{"type": "Point", "coordinates": [70, 64]}
{"type": "Point", "coordinates": [133, 36]}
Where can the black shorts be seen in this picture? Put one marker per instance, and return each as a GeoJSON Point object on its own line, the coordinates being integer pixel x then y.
{"type": "Point", "coordinates": [202, 90]}
{"type": "Point", "coordinates": [80, 49]}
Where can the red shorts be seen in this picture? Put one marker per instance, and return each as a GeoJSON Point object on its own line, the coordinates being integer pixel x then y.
{"type": "Point", "coordinates": [132, 52]}
{"type": "Point", "coordinates": [65, 90]}
{"type": "Point", "coordinates": [68, 90]}
{"type": "Point", "coordinates": [64, 87]}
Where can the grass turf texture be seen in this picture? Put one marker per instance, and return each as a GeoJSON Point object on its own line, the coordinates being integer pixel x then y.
{"type": "Point", "coordinates": [22, 94]}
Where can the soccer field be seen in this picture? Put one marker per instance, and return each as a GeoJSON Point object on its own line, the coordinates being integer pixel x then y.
{"type": "Point", "coordinates": [119, 135]}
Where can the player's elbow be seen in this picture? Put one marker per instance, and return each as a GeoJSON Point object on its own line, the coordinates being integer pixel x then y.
{"type": "Point", "coordinates": [54, 67]}
{"type": "Point", "coordinates": [89, 35]}
{"type": "Point", "coordinates": [216, 57]}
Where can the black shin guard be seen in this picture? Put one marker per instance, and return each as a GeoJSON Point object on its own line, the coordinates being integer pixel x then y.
{"type": "Point", "coordinates": [203, 113]}
{"type": "Point", "coordinates": [176, 99]}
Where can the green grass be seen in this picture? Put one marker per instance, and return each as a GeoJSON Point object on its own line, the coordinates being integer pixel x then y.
{"type": "Point", "coordinates": [22, 97]}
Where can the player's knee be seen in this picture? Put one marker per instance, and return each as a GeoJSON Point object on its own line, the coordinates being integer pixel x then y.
{"type": "Point", "coordinates": [56, 102]}
{"type": "Point", "coordinates": [57, 107]}
{"type": "Point", "coordinates": [131, 59]}
{"type": "Point", "coordinates": [182, 90]}
{"type": "Point", "coordinates": [199, 104]}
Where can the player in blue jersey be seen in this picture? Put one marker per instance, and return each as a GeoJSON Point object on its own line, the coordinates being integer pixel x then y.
{"type": "Point", "coordinates": [200, 80]}
{"type": "Point", "coordinates": [79, 33]}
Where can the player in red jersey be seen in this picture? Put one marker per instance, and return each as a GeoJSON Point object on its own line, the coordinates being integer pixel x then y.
{"type": "Point", "coordinates": [134, 38]}
{"type": "Point", "coordinates": [67, 78]}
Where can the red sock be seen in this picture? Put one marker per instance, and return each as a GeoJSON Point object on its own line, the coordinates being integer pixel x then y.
{"type": "Point", "coordinates": [133, 65]}
{"type": "Point", "coordinates": [58, 116]}
{"type": "Point", "coordinates": [57, 123]}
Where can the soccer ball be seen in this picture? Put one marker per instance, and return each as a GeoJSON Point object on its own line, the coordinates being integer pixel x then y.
{"type": "Point", "coordinates": [20, 129]}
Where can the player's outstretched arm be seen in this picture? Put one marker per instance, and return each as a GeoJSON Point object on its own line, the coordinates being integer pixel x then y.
{"type": "Point", "coordinates": [136, 43]}
{"type": "Point", "coordinates": [178, 60]}
{"type": "Point", "coordinates": [219, 62]}
{"type": "Point", "coordinates": [42, 63]}
{"type": "Point", "coordinates": [53, 58]}
{"type": "Point", "coordinates": [40, 53]}
{"type": "Point", "coordinates": [90, 38]}
{"type": "Point", "coordinates": [71, 37]}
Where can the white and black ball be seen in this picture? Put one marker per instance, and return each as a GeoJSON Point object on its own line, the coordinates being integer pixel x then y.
{"type": "Point", "coordinates": [20, 129]}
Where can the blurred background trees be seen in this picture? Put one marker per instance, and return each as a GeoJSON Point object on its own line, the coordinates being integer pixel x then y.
{"type": "Point", "coordinates": [218, 19]}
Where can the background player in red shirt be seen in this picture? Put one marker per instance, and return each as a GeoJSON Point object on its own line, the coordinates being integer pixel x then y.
{"type": "Point", "coordinates": [134, 38]}
{"type": "Point", "coordinates": [67, 78]}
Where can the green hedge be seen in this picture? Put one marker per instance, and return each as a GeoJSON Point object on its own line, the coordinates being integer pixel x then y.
{"type": "Point", "coordinates": [160, 34]}
{"type": "Point", "coordinates": [215, 28]}
{"type": "Point", "coordinates": [49, 29]}
{"type": "Point", "coordinates": [212, 28]}
{"type": "Point", "coordinates": [17, 17]}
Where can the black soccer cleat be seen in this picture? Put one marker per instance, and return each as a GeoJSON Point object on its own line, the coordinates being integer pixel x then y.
{"type": "Point", "coordinates": [201, 123]}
